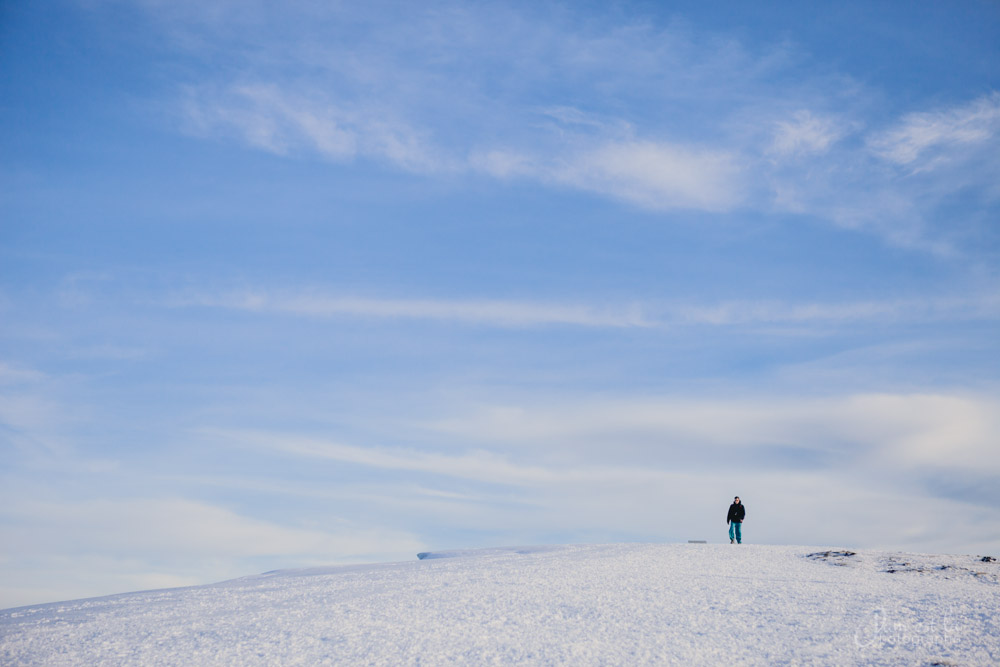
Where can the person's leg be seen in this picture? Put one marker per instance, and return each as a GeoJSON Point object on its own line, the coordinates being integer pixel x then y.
{"type": "Point", "coordinates": [732, 535]}
{"type": "Point", "coordinates": [739, 532]}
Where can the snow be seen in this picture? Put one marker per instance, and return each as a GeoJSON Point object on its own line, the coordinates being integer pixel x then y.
{"type": "Point", "coordinates": [624, 604]}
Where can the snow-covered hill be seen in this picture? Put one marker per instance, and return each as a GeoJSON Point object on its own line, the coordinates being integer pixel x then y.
{"type": "Point", "coordinates": [601, 604]}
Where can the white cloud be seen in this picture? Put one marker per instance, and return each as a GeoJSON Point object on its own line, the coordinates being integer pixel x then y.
{"type": "Point", "coordinates": [19, 375]}
{"type": "Point", "coordinates": [985, 306]}
{"type": "Point", "coordinates": [135, 537]}
{"type": "Point", "coordinates": [35, 424]}
{"type": "Point", "coordinates": [893, 182]}
{"type": "Point", "coordinates": [908, 431]}
{"type": "Point", "coordinates": [412, 90]}
{"type": "Point", "coordinates": [177, 526]}
{"type": "Point", "coordinates": [666, 466]}
{"type": "Point", "coordinates": [783, 507]}
{"type": "Point", "coordinates": [480, 466]}
{"type": "Point", "coordinates": [929, 137]}
{"type": "Point", "coordinates": [660, 117]}
{"type": "Point", "coordinates": [773, 316]}
{"type": "Point", "coordinates": [493, 313]}
{"type": "Point", "coordinates": [285, 122]}
{"type": "Point", "coordinates": [505, 163]}
{"type": "Point", "coordinates": [46, 577]}
{"type": "Point", "coordinates": [805, 134]}
{"type": "Point", "coordinates": [657, 175]}
{"type": "Point", "coordinates": [631, 443]}
{"type": "Point", "coordinates": [649, 174]}
{"type": "Point", "coordinates": [934, 432]}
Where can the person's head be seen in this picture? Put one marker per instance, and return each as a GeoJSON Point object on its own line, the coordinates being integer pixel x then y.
{"type": "Point", "coordinates": [736, 500]}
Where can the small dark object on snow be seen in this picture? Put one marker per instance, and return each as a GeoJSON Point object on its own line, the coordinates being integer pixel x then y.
{"type": "Point", "coordinates": [989, 559]}
{"type": "Point", "coordinates": [831, 554]}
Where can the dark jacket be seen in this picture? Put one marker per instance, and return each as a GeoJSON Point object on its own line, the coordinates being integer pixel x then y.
{"type": "Point", "coordinates": [736, 513]}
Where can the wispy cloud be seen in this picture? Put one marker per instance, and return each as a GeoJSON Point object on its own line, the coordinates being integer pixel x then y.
{"type": "Point", "coordinates": [898, 181]}
{"type": "Point", "coordinates": [657, 175]}
{"type": "Point", "coordinates": [649, 174]}
{"type": "Point", "coordinates": [18, 375]}
{"type": "Point", "coordinates": [482, 466]}
{"type": "Point", "coordinates": [454, 89]}
{"type": "Point", "coordinates": [924, 140]}
{"type": "Point", "coordinates": [485, 312]}
{"type": "Point", "coordinates": [133, 537]}
{"type": "Point", "coordinates": [181, 526]}
{"type": "Point", "coordinates": [427, 108]}
{"type": "Point", "coordinates": [985, 307]}
{"type": "Point", "coordinates": [34, 417]}
{"type": "Point", "coordinates": [805, 133]}
{"type": "Point", "coordinates": [883, 430]}
{"type": "Point", "coordinates": [278, 121]}
{"type": "Point", "coordinates": [547, 443]}
{"type": "Point", "coordinates": [634, 314]}
{"type": "Point", "coordinates": [626, 464]}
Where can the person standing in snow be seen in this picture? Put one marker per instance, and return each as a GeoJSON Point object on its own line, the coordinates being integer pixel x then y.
{"type": "Point", "coordinates": [735, 520]}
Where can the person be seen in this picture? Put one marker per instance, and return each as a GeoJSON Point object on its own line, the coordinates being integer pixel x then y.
{"type": "Point", "coordinates": [735, 520]}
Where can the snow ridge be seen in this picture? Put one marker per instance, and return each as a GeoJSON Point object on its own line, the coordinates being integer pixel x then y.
{"type": "Point", "coordinates": [622, 604]}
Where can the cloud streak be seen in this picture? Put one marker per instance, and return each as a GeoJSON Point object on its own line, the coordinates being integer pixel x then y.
{"type": "Point", "coordinates": [805, 134]}
{"type": "Point", "coordinates": [924, 140]}
{"type": "Point", "coordinates": [650, 174]}
{"type": "Point", "coordinates": [480, 466]}
{"type": "Point", "coordinates": [929, 431]}
{"type": "Point", "coordinates": [646, 440]}
{"type": "Point", "coordinates": [413, 94]}
{"type": "Point", "coordinates": [268, 118]}
{"type": "Point", "coordinates": [986, 307]}
{"type": "Point", "coordinates": [900, 180]}
{"type": "Point", "coordinates": [481, 312]}
{"type": "Point", "coordinates": [517, 314]}
{"type": "Point", "coordinates": [657, 175]}
{"type": "Point", "coordinates": [127, 540]}
{"type": "Point", "coordinates": [452, 90]}
{"type": "Point", "coordinates": [629, 464]}
{"type": "Point", "coordinates": [185, 527]}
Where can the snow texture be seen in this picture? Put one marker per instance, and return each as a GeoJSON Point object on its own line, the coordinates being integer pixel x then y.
{"type": "Point", "coordinates": [627, 604]}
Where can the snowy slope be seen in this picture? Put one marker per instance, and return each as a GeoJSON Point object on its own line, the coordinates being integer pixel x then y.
{"type": "Point", "coordinates": [607, 604]}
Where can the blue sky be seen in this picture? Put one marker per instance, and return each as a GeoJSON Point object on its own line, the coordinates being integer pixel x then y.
{"type": "Point", "coordinates": [313, 283]}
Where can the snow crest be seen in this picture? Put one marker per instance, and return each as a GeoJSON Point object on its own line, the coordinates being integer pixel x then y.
{"type": "Point", "coordinates": [626, 604]}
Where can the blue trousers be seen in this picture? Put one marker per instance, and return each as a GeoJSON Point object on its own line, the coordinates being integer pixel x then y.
{"type": "Point", "coordinates": [736, 532]}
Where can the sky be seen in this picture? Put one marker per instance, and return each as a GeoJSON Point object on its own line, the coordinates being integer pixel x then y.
{"type": "Point", "coordinates": [308, 283]}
